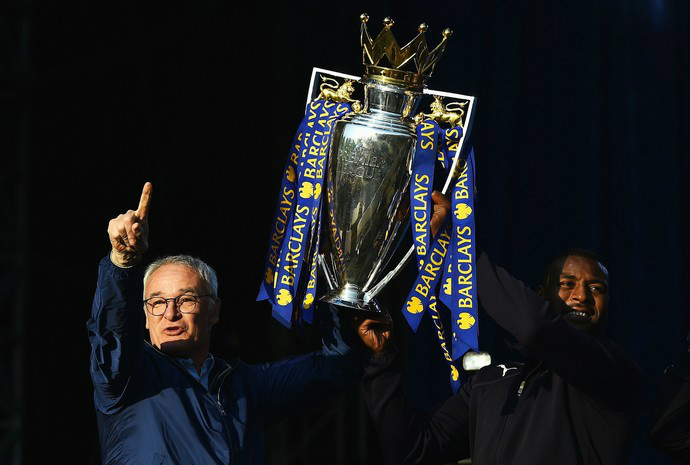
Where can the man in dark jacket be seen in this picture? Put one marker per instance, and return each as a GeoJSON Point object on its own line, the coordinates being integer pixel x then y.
{"type": "Point", "coordinates": [572, 401]}
{"type": "Point", "coordinates": [170, 401]}
{"type": "Point", "coordinates": [670, 430]}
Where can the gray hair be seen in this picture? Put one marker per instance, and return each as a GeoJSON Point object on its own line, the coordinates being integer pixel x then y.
{"type": "Point", "coordinates": [205, 272]}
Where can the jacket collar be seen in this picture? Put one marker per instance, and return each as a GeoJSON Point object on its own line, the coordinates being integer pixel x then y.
{"type": "Point", "coordinates": [220, 369]}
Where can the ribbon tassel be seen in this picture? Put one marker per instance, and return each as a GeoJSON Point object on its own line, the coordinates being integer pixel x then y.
{"type": "Point", "coordinates": [296, 226]}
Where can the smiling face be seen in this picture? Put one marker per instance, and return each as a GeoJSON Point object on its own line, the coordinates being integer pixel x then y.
{"type": "Point", "coordinates": [579, 291]}
{"type": "Point", "coordinates": [184, 335]}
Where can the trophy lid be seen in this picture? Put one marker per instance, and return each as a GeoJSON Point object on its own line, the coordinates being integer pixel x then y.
{"type": "Point", "coordinates": [416, 51]}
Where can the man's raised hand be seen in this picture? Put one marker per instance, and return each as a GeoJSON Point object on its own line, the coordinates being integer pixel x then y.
{"type": "Point", "coordinates": [129, 232]}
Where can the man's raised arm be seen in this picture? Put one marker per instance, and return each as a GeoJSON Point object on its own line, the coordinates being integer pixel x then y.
{"type": "Point", "coordinates": [116, 328]}
{"type": "Point", "coordinates": [588, 361]}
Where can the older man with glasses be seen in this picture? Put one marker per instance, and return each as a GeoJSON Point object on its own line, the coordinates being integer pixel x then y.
{"type": "Point", "coordinates": [170, 401]}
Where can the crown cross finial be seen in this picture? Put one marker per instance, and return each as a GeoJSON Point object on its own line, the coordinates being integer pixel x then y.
{"type": "Point", "coordinates": [385, 45]}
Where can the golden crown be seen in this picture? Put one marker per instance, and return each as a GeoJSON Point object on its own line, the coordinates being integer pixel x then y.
{"type": "Point", "coordinates": [385, 45]}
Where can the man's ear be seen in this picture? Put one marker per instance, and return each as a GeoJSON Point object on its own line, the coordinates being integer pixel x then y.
{"type": "Point", "coordinates": [214, 311]}
{"type": "Point", "coordinates": [541, 291]}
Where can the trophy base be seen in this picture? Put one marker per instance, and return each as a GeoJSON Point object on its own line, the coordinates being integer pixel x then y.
{"type": "Point", "coordinates": [350, 297]}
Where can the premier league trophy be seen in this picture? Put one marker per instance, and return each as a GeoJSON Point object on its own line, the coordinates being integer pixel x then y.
{"type": "Point", "coordinates": [371, 165]}
{"type": "Point", "coordinates": [375, 162]}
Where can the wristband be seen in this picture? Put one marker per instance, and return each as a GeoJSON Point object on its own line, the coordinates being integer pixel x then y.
{"type": "Point", "coordinates": [135, 263]}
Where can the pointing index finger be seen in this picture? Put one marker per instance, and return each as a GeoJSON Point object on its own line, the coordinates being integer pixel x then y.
{"type": "Point", "coordinates": [144, 202]}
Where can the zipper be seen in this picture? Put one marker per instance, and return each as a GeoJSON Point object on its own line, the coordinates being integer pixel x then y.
{"type": "Point", "coordinates": [529, 376]}
{"type": "Point", "coordinates": [219, 382]}
{"type": "Point", "coordinates": [220, 379]}
{"type": "Point", "coordinates": [220, 406]}
{"type": "Point", "coordinates": [522, 387]}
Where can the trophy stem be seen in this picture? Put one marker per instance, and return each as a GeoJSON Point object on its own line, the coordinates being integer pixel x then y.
{"type": "Point", "coordinates": [350, 296]}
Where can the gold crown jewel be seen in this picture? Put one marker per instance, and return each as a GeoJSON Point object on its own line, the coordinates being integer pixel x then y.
{"type": "Point", "coordinates": [385, 45]}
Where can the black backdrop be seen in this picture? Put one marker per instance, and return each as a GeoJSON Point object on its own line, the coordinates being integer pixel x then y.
{"type": "Point", "coordinates": [581, 139]}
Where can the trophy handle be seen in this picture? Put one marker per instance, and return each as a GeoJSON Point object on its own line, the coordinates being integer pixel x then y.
{"type": "Point", "coordinates": [331, 279]}
{"type": "Point", "coordinates": [374, 291]}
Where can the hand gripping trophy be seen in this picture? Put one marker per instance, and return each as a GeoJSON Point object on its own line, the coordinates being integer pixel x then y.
{"type": "Point", "coordinates": [375, 163]}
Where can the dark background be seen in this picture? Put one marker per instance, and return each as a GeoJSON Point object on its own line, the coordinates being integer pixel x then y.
{"type": "Point", "coordinates": [581, 140]}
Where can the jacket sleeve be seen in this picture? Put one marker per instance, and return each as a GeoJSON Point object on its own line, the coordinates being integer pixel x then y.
{"type": "Point", "coordinates": [589, 362]}
{"type": "Point", "coordinates": [671, 420]}
{"type": "Point", "coordinates": [407, 436]}
{"type": "Point", "coordinates": [115, 331]}
{"type": "Point", "coordinates": [290, 385]}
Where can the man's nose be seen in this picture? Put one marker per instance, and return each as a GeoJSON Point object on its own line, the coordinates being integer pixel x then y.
{"type": "Point", "coordinates": [172, 313]}
{"type": "Point", "coordinates": [580, 293]}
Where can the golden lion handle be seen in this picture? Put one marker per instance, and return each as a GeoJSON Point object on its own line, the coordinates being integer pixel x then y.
{"type": "Point", "coordinates": [451, 114]}
{"type": "Point", "coordinates": [342, 93]}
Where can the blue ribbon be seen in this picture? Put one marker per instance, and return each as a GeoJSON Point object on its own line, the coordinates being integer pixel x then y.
{"type": "Point", "coordinates": [425, 285]}
{"type": "Point", "coordinates": [464, 303]}
{"type": "Point", "coordinates": [310, 293]}
{"type": "Point", "coordinates": [448, 149]}
{"type": "Point", "coordinates": [284, 209]}
{"type": "Point", "coordinates": [295, 234]}
{"type": "Point", "coordinates": [451, 252]}
{"type": "Point", "coordinates": [420, 188]}
{"type": "Point", "coordinates": [433, 143]}
{"type": "Point", "coordinates": [454, 374]}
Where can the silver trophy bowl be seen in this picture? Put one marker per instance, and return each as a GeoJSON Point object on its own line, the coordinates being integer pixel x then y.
{"type": "Point", "coordinates": [367, 184]}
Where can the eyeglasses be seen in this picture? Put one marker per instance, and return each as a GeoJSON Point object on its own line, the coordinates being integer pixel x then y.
{"type": "Point", "coordinates": [185, 303]}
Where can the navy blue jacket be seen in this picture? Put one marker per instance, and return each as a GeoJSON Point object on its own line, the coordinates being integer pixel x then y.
{"type": "Point", "coordinates": [151, 411]}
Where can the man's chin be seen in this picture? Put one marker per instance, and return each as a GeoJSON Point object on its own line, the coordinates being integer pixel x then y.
{"type": "Point", "coordinates": [179, 348]}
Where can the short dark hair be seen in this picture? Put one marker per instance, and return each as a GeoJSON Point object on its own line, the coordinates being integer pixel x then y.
{"type": "Point", "coordinates": [557, 262]}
